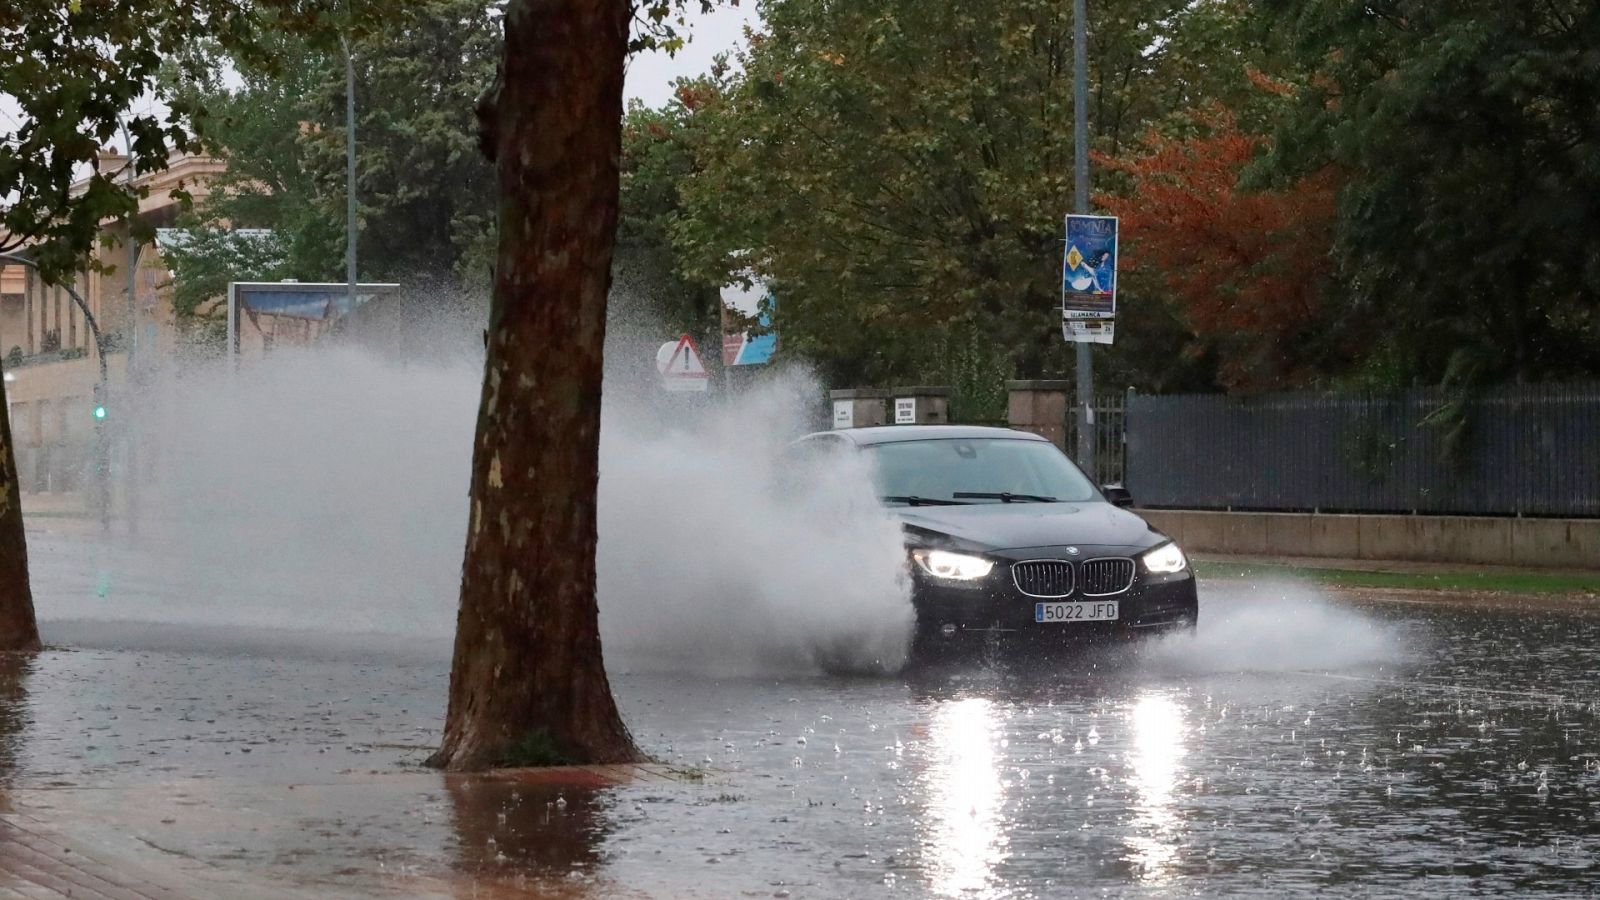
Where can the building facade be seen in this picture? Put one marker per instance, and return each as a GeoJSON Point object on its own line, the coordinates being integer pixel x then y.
{"type": "Point", "coordinates": [51, 361]}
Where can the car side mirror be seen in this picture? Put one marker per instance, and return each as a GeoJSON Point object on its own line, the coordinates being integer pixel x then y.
{"type": "Point", "coordinates": [1117, 495]}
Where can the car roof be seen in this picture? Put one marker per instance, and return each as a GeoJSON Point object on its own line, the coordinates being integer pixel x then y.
{"type": "Point", "coordinates": [888, 434]}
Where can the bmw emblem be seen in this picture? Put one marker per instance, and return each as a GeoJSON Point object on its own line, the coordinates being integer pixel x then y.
{"type": "Point", "coordinates": [1072, 551]}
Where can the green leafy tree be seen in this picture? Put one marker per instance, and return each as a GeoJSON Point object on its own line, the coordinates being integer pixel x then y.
{"type": "Point", "coordinates": [425, 195]}
{"type": "Point", "coordinates": [1468, 233]}
{"type": "Point", "coordinates": [74, 69]}
{"type": "Point", "coordinates": [658, 154]}
{"type": "Point", "coordinates": [210, 258]}
{"type": "Point", "coordinates": [899, 169]}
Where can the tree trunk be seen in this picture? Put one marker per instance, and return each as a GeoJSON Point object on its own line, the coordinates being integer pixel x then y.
{"type": "Point", "coordinates": [18, 630]}
{"type": "Point", "coordinates": [528, 685]}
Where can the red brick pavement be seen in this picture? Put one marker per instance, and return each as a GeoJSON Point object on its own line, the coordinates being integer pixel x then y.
{"type": "Point", "coordinates": [35, 864]}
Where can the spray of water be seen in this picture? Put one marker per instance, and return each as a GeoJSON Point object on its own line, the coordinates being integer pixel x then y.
{"type": "Point", "coordinates": [1277, 626]}
{"type": "Point", "coordinates": [325, 489]}
{"type": "Point", "coordinates": [719, 551]}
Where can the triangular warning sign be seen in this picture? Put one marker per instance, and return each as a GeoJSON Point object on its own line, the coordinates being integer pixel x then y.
{"type": "Point", "coordinates": [680, 366]}
{"type": "Point", "coordinates": [685, 361]}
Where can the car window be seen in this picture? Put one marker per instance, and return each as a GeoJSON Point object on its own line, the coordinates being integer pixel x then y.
{"type": "Point", "coordinates": [939, 469]}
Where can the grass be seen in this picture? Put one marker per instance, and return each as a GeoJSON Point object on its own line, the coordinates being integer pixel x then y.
{"type": "Point", "coordinates": [1452, 581]}
{"type": "Point", "coordinates": [537, 748]}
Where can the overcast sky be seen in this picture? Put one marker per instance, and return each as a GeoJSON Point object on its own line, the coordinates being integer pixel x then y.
{"type": "Point", "coordinates": [650, 75]}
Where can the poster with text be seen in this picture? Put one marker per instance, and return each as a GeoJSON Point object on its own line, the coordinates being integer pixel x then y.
{"type": "Point", "coordinates": [1089, 279]}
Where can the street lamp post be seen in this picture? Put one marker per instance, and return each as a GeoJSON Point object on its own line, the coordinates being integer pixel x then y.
{"type": "Point", "coordinates": [1080, 147]}
{"type": "Point", "coordinates": [130, 490]}
{"type": "Point", "coordinates": [101, 449]}
{"type": "Point", "coordinates": [349, 175]}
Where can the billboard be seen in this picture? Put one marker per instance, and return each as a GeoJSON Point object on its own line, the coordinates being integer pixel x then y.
{"type": "Point", "coordinates": [1089, 279]}
{"type": "Point", "coordinates": [264, 314]}
{"type": "Point", "coordinates": [740, 304]}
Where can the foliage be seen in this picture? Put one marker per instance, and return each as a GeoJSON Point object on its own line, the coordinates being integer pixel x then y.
{"type": "Point", "coordinates": [537, 747]}
{"type": "Point", "coordinates": [207, 259]}
{"type": "Point", "coordinates": [74, 69]}
{"type": "Point", "coordinates": [1468, 231]}
{"type": "Point", "coordinates": [1247, 269]}
{"type": "Point", "coordinates": [899, 168]}
{"type": "Point", "coordinates": [658, 154]}
{"type": "Point", "coordinates": [425, 194]}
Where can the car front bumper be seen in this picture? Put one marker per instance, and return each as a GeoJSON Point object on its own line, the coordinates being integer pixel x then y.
{"type": "Point", "coordinates": [1151, 603]}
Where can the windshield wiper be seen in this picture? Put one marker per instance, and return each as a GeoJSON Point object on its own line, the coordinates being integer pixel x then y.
{"type": "Point", "coordinates": [920, 501]}
{"type": "Point", "coordinates": [1004, 497]}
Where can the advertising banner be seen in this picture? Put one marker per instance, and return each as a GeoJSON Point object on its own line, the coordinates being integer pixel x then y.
{"type": "Point", "coordinates": [1089, 279]}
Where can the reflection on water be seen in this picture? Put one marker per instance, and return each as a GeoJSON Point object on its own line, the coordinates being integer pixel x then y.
{"type": "Point", "coordinates": [523, 835]}
{"type": "Point", "coordinates": [1156, 764]}
{"type": "Point", "coordinates": [14, 671]}
{"type": "Point", "coordinates": [963, 836]}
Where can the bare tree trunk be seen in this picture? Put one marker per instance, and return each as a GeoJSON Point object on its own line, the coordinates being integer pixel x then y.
{"type": "Point", "coordinates": [18, 630]}
{"type": "Point", "coordinates": [528, 685]}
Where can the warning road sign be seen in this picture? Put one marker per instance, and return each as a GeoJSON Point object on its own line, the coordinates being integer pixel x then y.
{"type": "Point", "coordinates": [680, 366]}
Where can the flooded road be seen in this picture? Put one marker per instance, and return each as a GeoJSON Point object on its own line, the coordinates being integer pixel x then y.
{"type": "Point", "coordinates": [1298, 745]}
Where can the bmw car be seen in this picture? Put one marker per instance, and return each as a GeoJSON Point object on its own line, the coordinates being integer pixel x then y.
{"type": "Point", "coordinates": [1006, 537]}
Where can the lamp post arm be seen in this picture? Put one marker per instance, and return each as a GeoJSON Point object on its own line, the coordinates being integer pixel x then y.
{"type": "Point", "coordinates": [88, 317]}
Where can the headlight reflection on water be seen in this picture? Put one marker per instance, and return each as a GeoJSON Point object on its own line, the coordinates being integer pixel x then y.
{"type": "Point", "coordinates": [964, 837]}
{"type": "Point", "coordinates": [1156, 763]}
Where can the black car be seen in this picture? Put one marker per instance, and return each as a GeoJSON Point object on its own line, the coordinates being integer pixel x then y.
{"type": "Point", "coordinates": [1006, 536]}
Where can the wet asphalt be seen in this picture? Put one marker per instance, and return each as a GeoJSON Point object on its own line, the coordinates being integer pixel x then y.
{"type": "Point", "coordinates": [1299, 744]}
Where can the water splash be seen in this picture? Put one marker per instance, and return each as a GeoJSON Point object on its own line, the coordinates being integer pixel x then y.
{"type": "Point", "coordinates": [326, 489]}
{"type": "Point", "coordinates": [1276, 626]}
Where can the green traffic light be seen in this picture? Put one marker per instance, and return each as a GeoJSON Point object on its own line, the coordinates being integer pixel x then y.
{"type": "Point", "coordinates": [99, 412]}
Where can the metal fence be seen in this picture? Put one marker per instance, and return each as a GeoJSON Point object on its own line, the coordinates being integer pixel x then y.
{"type": "Point", "coordinates": [1110, 438]}
{"type": "Point", "coordinates": [1531, 450]}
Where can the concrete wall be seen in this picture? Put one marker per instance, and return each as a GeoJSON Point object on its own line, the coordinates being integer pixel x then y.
{"type": "Point", "coordinates": [1545, 543]}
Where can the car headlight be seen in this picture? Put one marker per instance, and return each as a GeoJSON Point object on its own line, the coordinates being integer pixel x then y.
{"type": "Point", "coordinates": [952, 566]}
{"type": "Point", "coordinates": [1164, 560]}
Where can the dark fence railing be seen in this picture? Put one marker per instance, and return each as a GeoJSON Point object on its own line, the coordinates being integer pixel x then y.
{"type": "Point", "coordinates": [1530, 450]}
{"type": "Point", "coordinates": [1110, 438]}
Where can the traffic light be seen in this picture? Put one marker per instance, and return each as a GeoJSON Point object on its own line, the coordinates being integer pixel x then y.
{"type": "Point", "coordinates": [99, 403]}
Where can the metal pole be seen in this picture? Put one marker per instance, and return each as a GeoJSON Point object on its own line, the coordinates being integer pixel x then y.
{"type": "Point", "coordinates": [130, 456]}
{"type": "Point", "coordinates": [349, 177]}
{"type": "Point", "coordinates": [1080, 148]}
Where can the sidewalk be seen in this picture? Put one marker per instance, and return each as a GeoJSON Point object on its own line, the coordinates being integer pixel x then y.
{"type": "Point", "coordinates": [36, 863]}
{"type": "Point", "coordinates": [136, 842]}
{"type": "Point", "coordinates": [1398, 567]}
{"type": "Point", "coordinates": [1414, 581]}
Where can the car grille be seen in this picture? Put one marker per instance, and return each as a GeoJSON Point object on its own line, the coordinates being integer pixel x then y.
{"type": "Point", "coordinates": [1043, 577]}
{"type": "Point", "coordinates": [1106, 576]}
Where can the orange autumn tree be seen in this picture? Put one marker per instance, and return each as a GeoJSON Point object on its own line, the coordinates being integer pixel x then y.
{"type": "Point", "coordinates": [1247, 269]}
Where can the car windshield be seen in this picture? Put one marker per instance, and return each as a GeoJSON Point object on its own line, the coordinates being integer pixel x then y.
{"type": "Point", "coordinates": [976, 470]}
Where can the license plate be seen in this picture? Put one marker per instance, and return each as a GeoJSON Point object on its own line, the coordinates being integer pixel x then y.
{"type": "Point", "coordinates": [1092, 611]}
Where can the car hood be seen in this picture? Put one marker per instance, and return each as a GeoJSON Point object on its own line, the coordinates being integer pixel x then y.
{"type": "Point", "coordinates": [1014, 526]}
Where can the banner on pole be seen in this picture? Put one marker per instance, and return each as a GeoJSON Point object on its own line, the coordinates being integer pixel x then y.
{"type": "Point", "coordinates": [1089, 280]}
